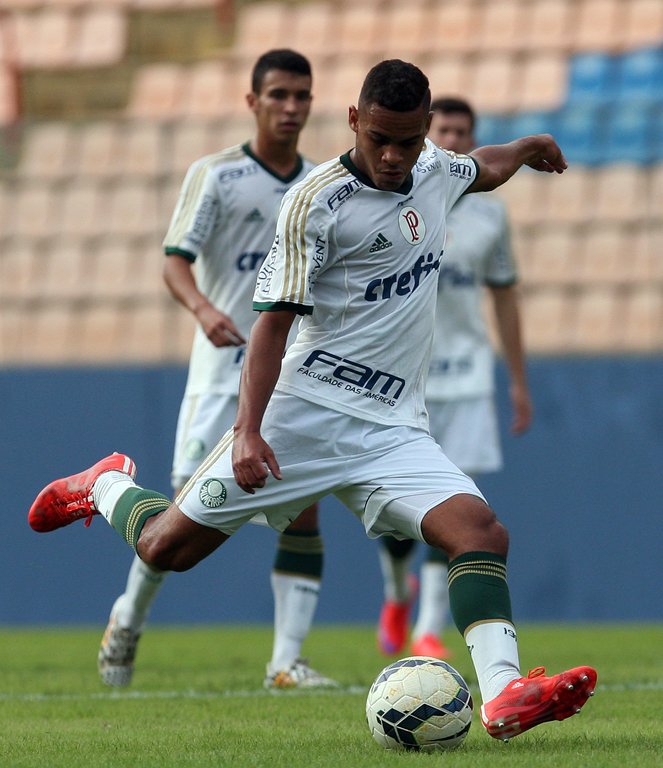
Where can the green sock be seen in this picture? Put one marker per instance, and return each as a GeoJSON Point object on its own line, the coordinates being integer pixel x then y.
{"type": "Point", "coordinates": [133, 508]}
{"type": "Point", "coordinates": [478, 590]}
{"type": "Point", "coordinates": [300, 553]}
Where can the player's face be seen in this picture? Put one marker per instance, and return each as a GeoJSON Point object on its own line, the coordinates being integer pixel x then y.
{"type": "Point", "coordinates": [452, 131]}
{"type": "Point", "coordinates": [282, 106]}
{"type": "Point", "coordinates": [387, 143]}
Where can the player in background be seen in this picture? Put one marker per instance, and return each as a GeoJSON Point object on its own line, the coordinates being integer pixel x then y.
{"type": "Point", "coordinates": [224, 222]}
{"type": "Point", "coordinates": [460, 393]}
{"type": "Point", "coordinates": [342, 411]}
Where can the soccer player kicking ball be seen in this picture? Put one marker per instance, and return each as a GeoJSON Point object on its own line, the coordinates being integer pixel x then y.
{"type": "Point", "coordinates": [343, 412]}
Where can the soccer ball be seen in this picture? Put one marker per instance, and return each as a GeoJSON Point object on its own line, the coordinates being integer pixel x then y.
{"type": "Point", "coordinates": [419, 703]}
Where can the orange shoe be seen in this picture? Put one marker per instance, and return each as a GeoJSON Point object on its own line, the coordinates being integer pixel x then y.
{"type": "Point", "coordinates": [430, 645]}
{"type": "Point", "coordinates": [535, 699]}
{"type": "Point", "coordinates": [394, 624]}
{"type": "Point", "coordinates": [64, 501]}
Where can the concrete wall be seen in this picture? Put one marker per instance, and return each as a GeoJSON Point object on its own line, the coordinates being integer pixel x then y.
{"type": "Point", "coordinates": [582, 494]}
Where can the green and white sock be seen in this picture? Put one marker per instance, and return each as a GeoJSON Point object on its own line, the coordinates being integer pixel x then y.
{"type": "Point", "coordinates": [143, 584]}
{"type": "Point", "coordinates": [481, 608]}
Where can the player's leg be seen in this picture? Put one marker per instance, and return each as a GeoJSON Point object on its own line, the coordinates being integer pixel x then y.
{"type": "Point", "coordinates": [201, 420]}
{"type": "Point", "coordinates": [477, 544]}
{"type": "Point", "coordinates": [433, 606]}
{"type": "Point", "coordinates": [295, 578]}
{"type": "Point", "coordinates": [400, 589]}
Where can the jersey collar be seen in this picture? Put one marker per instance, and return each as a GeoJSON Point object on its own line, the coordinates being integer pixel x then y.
{"type": "Point", "coordinates": [285, 179]}
{"type": "Point", "coordinates": [404, 189]}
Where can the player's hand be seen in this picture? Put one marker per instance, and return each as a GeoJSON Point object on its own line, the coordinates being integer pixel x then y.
{"type": "Point", "coordinates": [253, 460]}
{"type": "Point", "coordinates": [521, 405]}
{"type": "Point", "coordinates": [219, 328]}
{"type": "Point", "coordinates": [548, 156]}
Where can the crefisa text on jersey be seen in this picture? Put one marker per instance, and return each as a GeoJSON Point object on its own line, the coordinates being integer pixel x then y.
{"type": "Point", "coordinates": [401, 284]}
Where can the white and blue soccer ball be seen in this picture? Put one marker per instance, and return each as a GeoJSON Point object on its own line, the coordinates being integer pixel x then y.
{"type": "Point", "coordinates": [419, 703]}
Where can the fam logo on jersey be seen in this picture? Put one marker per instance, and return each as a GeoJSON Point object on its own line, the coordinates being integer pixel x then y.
{"type": "Point", "coordinates": [412, 225]}
{"type": "Point", "coordinates": [461, 170]}
{"type": "Point", "coordinates": [213, 493]}
{"type": "Point", "coordinates": [343, 194]}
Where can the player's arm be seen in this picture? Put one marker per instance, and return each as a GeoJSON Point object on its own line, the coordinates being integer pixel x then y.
{"type": "Point", "coordinates": [253, 459]}
{"type": "Point", "coordinates": [507, 314]}
{"type": "Point", "coordinates": [498, 162]}
{"type": "Point", "coordinates": [180, 279]}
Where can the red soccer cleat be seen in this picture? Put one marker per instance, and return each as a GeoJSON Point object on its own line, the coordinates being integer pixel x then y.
{"type": "Point", "coordinates": [535, 699]}
{"type": "Point", "coordinates": [430, 645]}
{"type": "Point", "coordinates": [394, 624]}
{"type": "Point", "coordinates": [64, 501]}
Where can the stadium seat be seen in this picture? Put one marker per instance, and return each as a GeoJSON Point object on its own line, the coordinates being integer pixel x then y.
{"type": "Point", "coordinates": [452, 27]}
{"type": "Point", "coordinates": [631, 132]}
{"type": "Point", "coordinates": [581, 132]}
{"type": "Point", "coordinates": [190, 139]}
{"type": "Point", "coordinates": [541, 81]}
{"type": "Point", "coordinates": [36, 210]}
{"type": "Point", "coordinates": [525, 196]}
{"type": "Point", "coordinates": [45, 38]}
{"type": "Point", "coordinates": [642, 324]}
{"type": "Point", "coordinates": [620, 193]}
{"type": "Point", "coordinates": [597, 25]}
{"type": "Point", "coordinates": [592, 77]}
{"type": "Point", "coordinates": [65, 270]}
{"type": "Point", "coordinates": [596, 321]}
{"type": "Point", "coordinates": [211, 89]}
{"type": "Point", "coordinates": [340, 83]}
{"type": "Point", "coordinates": [50, 334]}
{"type": "Point", "coordinates": [403, 29]}
{"type": "Point", "coordinates": [100, 335]}
{"type": "Point", "coordinates": [549, 27]}
{"type": "Point", "coordinates": [144, 332]}
{"type": "Point", "coordinates": [550, 258]}
{"type": "Point", "coordinates": [21, 264]}
{"type": "Point", "coordinates": [569, 196]}
{"type": "Point", "coordinates": [260, 27]}
{"type": "Point", "coordinates": [493, 128]}
{"type": "Point", "coordinates": [101, 38]}
{"type": "Point", "coordinates": [84, 209]}
{"type": "Point", "coordinates": [47, 151]}
{"type": "Point", "coordinates": [97, 148]}
{"type": "Point", "coordinates": [156, 91]}
{"type": "Point", "coordinates": [492, 84]}
{"type": "Point", "coordinates": [448, 74]}
{"type": "Point", "coordinates": [526, 123]}
{"type": "Point", "coordinates": [502, 26]}
{"type": "Point", "coordinates": [643, 24]}
{"type": "Point", "coordinates": [639, 75]}
{"type": "Point", "coordinates": [143, 148]}
{"type": "Point", "coordinates": [133, 209]}
{"type": "Point", "coordinates": [604, 256]}
{"type": "Point", "coordinates": [312, 29]}
{"type": "Point", "coordinates": [546, 320]}
{"type": "Point", "coordinates": [360, 30]}
{"type": "Point", "coordinates": [655, 193]}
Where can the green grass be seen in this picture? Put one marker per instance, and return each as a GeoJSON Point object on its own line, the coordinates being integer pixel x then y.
{"type": "Point", "coordinates": [197, 700]}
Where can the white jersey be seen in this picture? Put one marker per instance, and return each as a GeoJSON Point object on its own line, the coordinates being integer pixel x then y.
{"type": "Point", "coordinates": [362, 264]}
{"type": "Point", "coordinates": [225, 220]}
{"type": "Point", "coordinates": [478, 253]}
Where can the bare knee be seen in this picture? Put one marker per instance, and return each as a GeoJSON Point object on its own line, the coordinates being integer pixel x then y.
{"type": "Point", "coordinates": [307, 520]}
{"type": "Point", "coordinates": [176, 546]}
{"type": "Point", "coordinates": [465, 523]}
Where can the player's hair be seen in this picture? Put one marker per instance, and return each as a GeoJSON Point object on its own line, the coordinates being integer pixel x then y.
{"type": "Point", "coordinates": [452, 104]}
{"type": "Point", "coordinates": [396, 85]}
{"type": "Point", "coordinates": [280, 58]}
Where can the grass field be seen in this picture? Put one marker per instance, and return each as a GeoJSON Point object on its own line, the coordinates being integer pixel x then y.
{"type": "Point", "coordinates": [197, 700]}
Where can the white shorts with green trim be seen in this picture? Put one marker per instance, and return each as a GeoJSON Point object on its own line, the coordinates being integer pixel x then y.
{"type": "Point", "coordinates": [388, 476]}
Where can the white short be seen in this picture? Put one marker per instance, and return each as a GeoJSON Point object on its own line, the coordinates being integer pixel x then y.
{"type": "Point", "coordinates": [468, 432]}
{"type": "Point", "coordinates": [389, 476]}
{"type": "Point", "coordinates": [203, 419]}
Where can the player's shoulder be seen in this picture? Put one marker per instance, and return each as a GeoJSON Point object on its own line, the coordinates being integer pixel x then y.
{"type": "Point", "coordinates": [227, 158]}
{"type": "Point", "coordinates": [434, 159]}
{"type": "Point", "coordinates": [321, 181]}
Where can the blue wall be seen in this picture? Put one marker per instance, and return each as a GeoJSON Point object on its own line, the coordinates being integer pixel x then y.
{"type": "Point", "coordinates": [582, 494]}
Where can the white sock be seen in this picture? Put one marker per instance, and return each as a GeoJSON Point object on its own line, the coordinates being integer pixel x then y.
{"type": "Point", "coordinates": [494, 650]}
{"type": "Point", "coordinates": [108, 488]}
{"type": "Point", "coordinates": [143, 583]}
{"type": "Point", "coordinates": [395, 572]}
{"type": "Point", "coordinates": [433, 600]}
{"type": "Point", "coordinates": [295, 601]}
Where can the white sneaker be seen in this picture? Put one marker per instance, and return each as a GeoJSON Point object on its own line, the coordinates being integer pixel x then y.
{"type": "Point", "coordinates": [297, 675]}
{"type": "Point", "coordinates": [117, 652]}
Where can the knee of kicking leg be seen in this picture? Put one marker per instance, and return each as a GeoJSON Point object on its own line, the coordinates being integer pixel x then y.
{"type": "Point", "coordinates": [158, 553]}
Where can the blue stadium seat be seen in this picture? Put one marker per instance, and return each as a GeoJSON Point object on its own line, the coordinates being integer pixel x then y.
{"type": "Point", "coordinates": [630, 132]}
{"type": "Point", "coordinates": [580, 131]}
{"type": "Point", "coordinates": [492, 129]}
{"type": "Point", "coordinates": [529, 123]}
{"type": "Point", "coordinates": [592, 77]}
{"type": "Point", "coordinates": [640, 74]}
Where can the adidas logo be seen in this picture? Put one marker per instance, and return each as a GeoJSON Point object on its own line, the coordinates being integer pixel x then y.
{"type": "Point", "coordinates": [254, 216]}
{"type": "Point", "coordinates": [380, 244]}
